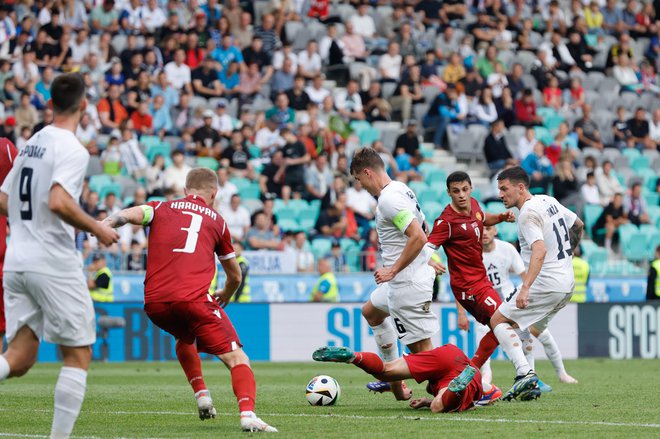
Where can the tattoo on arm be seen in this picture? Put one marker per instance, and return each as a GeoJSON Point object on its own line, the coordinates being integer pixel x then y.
{"type": "Point", "coordinates": [575, 235]}
{"type": "Point", "coordinates": [116, 221]}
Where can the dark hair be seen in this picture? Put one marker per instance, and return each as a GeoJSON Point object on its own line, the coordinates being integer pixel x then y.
{"type": "Point", "coordinates": [635, 184]}
{"type": "Point", "coordinates": [366, 158]}
{"type": "Point", "coordinates": [458, 177]}
{"type": "Point", "coordinates": [67, 93]}
{"type": "Point", "coordinates": [515, 175]}
{"type": "Point", "coordinates": [590, 174]}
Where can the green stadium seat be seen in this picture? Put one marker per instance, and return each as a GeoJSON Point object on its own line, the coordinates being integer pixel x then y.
{"type": "Point", "coordinates": [652, 199]}
{"type": "Point", "coordinates": [254, 151]}
{"type": "Point", "coordinates": [495, 207]}
{"type": "Point", "coordinates": [161, 199]}
{"type": "Point", "coordinates": [298, 205]}
{"type": "Point", "coordinates": [96, 182]}
{"type": "Point", "coordinates": [286, 213]}
{"type": "Point", "coordinates": [321, 247]}
{"type": "Point", "coordinates": [437, 179]}
{"type": "Point", "coordinates": [353, 259]}
{"type": "Point", "coordinates": [250, 192]}
{"type": "Point", "coordinates": [544, 135]}
{"type": "Point", "coordinates": [308, 214]}
{"type": "Point", "coordinates": [631, 154]}
{"type": "Point", "coordinates": [306, 224]}
{"type": "Point", "coordinates": [426, 169]}
{"type": "Point", "coordinates": [208, 162]}
{"type": "Point", "coordinates": [114, 188]}
{"type": "Point", "coordinates": [640, 162]}
{"type": "Point", "coordinates": [597, 259]}
{"type": "Point", "coordinates": [418, 187]}
{"type": "Point", "coordinates": [591, 214]}
{"type": "Point", "coordinates": [288, 224]}
{"type": "Point", "coordinates": [649, 176]}
{"type": "Point", "coordinates": [507, 232]}
{"type": "Point", "coordinates": [634, 245]}
{"type": "Point", "coordinates": [552, 123]}
{"type": "Point", "coordinates": [476, 194]}
{"type": "Point", "coordinates": [653, 243]}
{"type": "Point", "coordinates": [428, 196]}
{"type": "Point", "coordinates": [157, 149]}
{"type": "Point", "coordinates": [546, 112]}
{"type": "Point", "coordinates": [240, 182]}
{"type": "Point", "coordinates": [654, 213]}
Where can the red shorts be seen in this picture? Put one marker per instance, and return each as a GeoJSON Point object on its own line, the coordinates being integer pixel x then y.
{"type": "Point", "coordinates": [3, 322]}
{"type": "Point", "coordinates": [202, 322]}
{"type": "Point", "coordinates": [441, 365]}
{"type": "Point", "coordinates": [481, 301]}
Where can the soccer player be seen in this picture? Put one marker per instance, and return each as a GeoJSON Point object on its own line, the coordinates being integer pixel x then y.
{"type": "Point", "coordinates": [548, 234]}
{"type": "Point", "coordinates": [453, 381]}
{"type": "Point", "coordinates": [405, 283]}
{"type": "Point", "coordinates": [7, 155]}
{"type": "Point", "coordinates": [501, 258]}
{"type": "Point", "coordinates": [46, 293]}
{"type": "Point", "coordinates": [184, 237]}
{"type": "Point", "coordinates": [458, 229]}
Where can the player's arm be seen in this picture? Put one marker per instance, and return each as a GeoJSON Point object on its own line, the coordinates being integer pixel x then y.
{"type": "Point", "coordinates": [63, 205]}
{"type": "Point", "coordinates": [415, 243]}
{"type": "Point", "coordinates": [138, 215]}
{"type": "Point", "coordinates": [233, 281]}
{"type": "Point", "coordinates": [575, 233]}
{"type": "Point", "coordinates": [492, 219]}
{"type": "Point", "coordinates": [3, 203]}
{"type": "Point", "coordinates": [463, 322]}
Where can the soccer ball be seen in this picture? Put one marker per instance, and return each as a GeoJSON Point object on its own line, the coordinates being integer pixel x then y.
{"type": "Point", "coordinates": [323, 390]}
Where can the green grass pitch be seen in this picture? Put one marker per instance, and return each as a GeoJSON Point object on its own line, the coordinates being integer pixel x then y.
{"type": "Point", "coordinates": [153, 400]}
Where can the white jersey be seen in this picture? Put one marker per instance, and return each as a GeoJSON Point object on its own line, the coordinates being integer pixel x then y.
{"type": "Point", "coordinates": [501, 261]}
{"type": "Point", "coordinates": [396, 209]}
{"type": "Point", "coordinates": [544, 218]}
{"type": "Point", "coordinates": [41, 241]}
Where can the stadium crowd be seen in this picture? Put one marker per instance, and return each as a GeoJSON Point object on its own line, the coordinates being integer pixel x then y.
{"type": "Point", "coordinates": [277, 95]}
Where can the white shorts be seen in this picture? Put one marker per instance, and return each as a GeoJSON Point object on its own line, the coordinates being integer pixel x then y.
{"type": "Point", "coordinates": [57, 309]}
{"type": "Point", "coordinates": [409, 304]}
{"type": "Point", "coordinates": [541, 308]}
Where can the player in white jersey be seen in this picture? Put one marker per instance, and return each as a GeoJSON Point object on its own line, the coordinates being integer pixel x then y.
{"type": "Point", "coordinates": [46, 295]}
{"type": "Point", "coordinates": [548, 233]}
{"type": "Point", "coordinates": [405, 283]}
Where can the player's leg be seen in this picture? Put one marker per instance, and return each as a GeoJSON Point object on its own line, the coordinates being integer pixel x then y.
{"type": "Point", "coordinates": [528, 350]}
{"type": "Point", "coordinates": [70, 389]}
{"type": "Point", "coordinates": [3, 322]}
{"type": "Point", "coordinates": [21, 354]}
{"type": "Point", "coordinates": [486, 371]}
{"type": "Point", "coordinates": [450, 398]}
{"type": "Point", "coordinates": [505, 332]}
{"type": "Point", "coordinates": [191, 364]}
{"type": "Point", "coordinates": [553, 354]}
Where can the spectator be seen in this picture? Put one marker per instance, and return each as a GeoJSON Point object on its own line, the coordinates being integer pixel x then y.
{"type": "Point", "coordinates": [87, 134]}
{"type": "Point", "coordinates": [304, 257]}
{"type": "Point", "coordinates": [486, 65]}
{"type": "Point", "coordinates": [268, 138]}
{"type": "Point", "coordinates": [349, 102]}
{"type": "Point", "coordinates": [267, 34]}
{"type": "Point", "coordinates": [639, 131]}
{"type": "Point", "coordinates": [375, 107]}
{"type": "Point", "coordinates": [260, 237]}
{"type": "Point", "coordinates": [539, 169]}
{"type": "Point", "coordinates": [295, 159]}
{"type": "Point", "coordinates": [653, 280]}
{"type": "Point", "coordinates": [608, 184]}
{"type": "Point", "coordinates": [495, 148]}
{"type": "Point", "coordinates": [244, 32]}
{"type": "Point", "coordinates": [318, 180]}
{"type": "Point", "coordinates": [178, 73]}
{"type": "Point", "coordinates": [133, 159]}
{"type": "Point", "coordinates": [205, 80]}
{"type": "Point", "coordinates": [626, 75]}
{"type": "Point", "coordinates": [484, 109]}
{"type": "Point", "coordinates": [111, 112]}
{"type": "Point", "coordinates": [363, 23]}
{"type": "Point", "coordinates": [363, 206]}
{"type": "Point", "coordinates": [316, 92]}
{"type": "Point", "coordinates": [634, 206]}
{"type": "Point", "coordinates": [283, 79]}
{"type": "Point", "coordinates": [505, 107]}
{"type": "Point", "coordinates": [24, 135]}
{"type": "Point", "coordinates": [111, 157]}
{"type": "Point", "coordinates": [268, 210]}
{"type": "Point", "coordinates": [612, 18]}
{"type": "Point", "coordinates": [156, 177]}
{"type": "Point", "coordinates": [227, 53]}
{"type": "Point", "coordinates": [620, 129]}
{"type": "Point", "coordinates": [256, 54]}
{"type": "Point", "coordinates": [576, 96]}
{"type": "Point", "coordinates": [589, 190]}
{"type": "Point", "coordinates": [26, 115]}
{"type": "Point", "coordinates": [565, 186]}
{"type": "Point", "coordinates": [443, 111]}
{"type": "Point", "coordinates": [526, 109]}
{"type": "Point", "coordinates": [455, 71]}
{"type": "Point", "coordinates": [222, 122]}
{"type": "Point", "coordinates": [354, 47]}
{"type": "Point", "coordinates": [654, 127]}
{"type": "Point", "coordinates": [207, 139]}
{"type": "Point", "coordinates": [237, 157]}
{"type": "Point", "coordinates": [271, 180]}
{"type": "Point", "coordinates": [226, 190]}
{"type": "Point", "coordinates": [526, 143]}
{"type": "Point", "coordinates": [370, 256]}
{"type": "Point", "coordinates": [408, 140]}
{"type": "Point", "coordinates": [162, 119]}
{"type": "Point", "coordinates": [389, 64]}
{"type": "Point", "coordinates": [337, 257]}
{"type": "Point", "coordinates": [587, 130]}
{"type": "Point", "coordinates": [325, 289]}
{"type": "Point", "coordinates": [309, 61]}
{"type": "Point", "coordinates": [250, 82]}
{"type": "Point", "coordinates": [142, 120]}
{"type": "Point", "coordinates": [136, 260]}
{"type": "Point", "coordinates": [175, 175]}
{"type": "Point", "coordinates": [552, 95]}
{"type": "Point", "coordinates": [581, 53]}
{"type": "Point", "coordinates": [105, 17]}
{"type": "Point", "coordinates": [408, 92]}
{"type": "Point", "coordinates": [610, 220]}
{"type": "Point", "coordinates": [237, 218]}
{"type": "Point", "coordinates": [516, 83]}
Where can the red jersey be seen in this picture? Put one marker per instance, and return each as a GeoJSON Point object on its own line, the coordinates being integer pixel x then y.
{"type": "Point", "coordinates": [460, 234]}
{"type": "Point", "coordinates": [184, 236]}
{"type": "Point", "coordinates": [7, 154]}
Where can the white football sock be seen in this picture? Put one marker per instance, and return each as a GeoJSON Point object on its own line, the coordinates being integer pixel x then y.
{"type": "Point", "coordinates": [4, 368]}
{"type": "Point", "coordinates": [527, 346]}
{"type": "Point", "coordinates": [512, 347]}
{"type": "Point", "coordinates": [552, 351]}
{"type": "Point", "coordinates": [487, 387]}
{"type": "Point", "coordinates": [69, 395]}
{"type": "Point", "coordinates": [486, 373]}
{"type": "Point", "coordinates": [385, 337]}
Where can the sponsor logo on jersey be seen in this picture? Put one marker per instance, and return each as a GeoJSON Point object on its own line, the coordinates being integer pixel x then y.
{"type": "Point", "coordinates": [464, 226]}
{"type": "Point", "coordinates": [438, 223]}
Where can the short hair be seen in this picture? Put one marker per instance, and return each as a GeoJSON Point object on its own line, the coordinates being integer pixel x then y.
{"type": "Point", "coordinates": [201, 179]}
{"type": "Point", "coordinates": [515, 175]}
{"type": "Point", "coordinates": [67, 93]}
{"type": "Point", "coordinates": [635, 184]}
{"type": "Point", "coordinates": [366, 158]}
{"type": "Point", "coordinates": [590, 174]}
{"type": "Point", "coordinates": [458, 177]}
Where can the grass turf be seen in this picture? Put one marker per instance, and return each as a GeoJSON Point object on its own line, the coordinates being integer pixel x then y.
{"type": "Point", "coordinates": [148, 400]}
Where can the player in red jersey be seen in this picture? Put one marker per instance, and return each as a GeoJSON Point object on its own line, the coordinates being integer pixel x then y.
{"type": "Point", "coordinates": [458, 229]}
{"type": "Point", "coordinates": [7, 154]}
{"type": "Point", "coordinates": [453, 380]}
{"type": "Point", "coordinates": [184, 237]}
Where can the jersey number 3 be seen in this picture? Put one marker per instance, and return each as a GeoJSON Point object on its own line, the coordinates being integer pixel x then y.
{"type": "Point", "coordinates": [193, 233]}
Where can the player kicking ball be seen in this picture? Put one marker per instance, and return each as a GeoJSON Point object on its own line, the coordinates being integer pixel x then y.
{"type": "Point", "coordinates": [405, 283]}
{"type": "Point", "coordinates": [459, 229]}
{"type": "Point", "coordinates": [184, 237]}
{"type": "Point", "coordinates": [453, 381]}
{"type": "Point", "coordinates": [501, 258]}
{"type": "Point", "coordinates": [548, 233]}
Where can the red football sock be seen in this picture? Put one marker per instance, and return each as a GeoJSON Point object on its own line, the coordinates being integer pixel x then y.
{"type": "Point", "coordinates": [451, 401]}
{"type": "Point", "coordinates": [245, 388]}
{"type": "Point", "coordinates": [369, 362]}
{"type": "Point", "coordinates": [486, 348]}
{"type": "Point", "coordinates": [191, 364]}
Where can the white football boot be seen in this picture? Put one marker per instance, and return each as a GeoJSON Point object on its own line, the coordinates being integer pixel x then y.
{"type": "Point", "coordinates": [205, 405]}
{"type": "Point", "coordinates": [250, 422]}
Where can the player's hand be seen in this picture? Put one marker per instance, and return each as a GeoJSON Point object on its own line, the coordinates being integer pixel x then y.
{"type": "Point", "coordinates": [419, 403]}
{"type": "Point", "coordinates": [106, 234]}
{"type": "Point", "coordinates": [522, 300]}
{"type": "Point", "coordinates": [384, 274]}
{"type": "Point", "coordinates": [438, 267]}
{"type": "Point", "coordinates": [463, 322]}
{"type": "Point", "coordinates": [223, 297]}
{"type": "Point", "coordinates": [508, 217]}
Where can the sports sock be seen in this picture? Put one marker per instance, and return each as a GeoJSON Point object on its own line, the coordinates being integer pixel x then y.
{"type": "Point", "coordinates": [552, 351]}
{"type": "Point", "coordinates": [245, 387]}
{"type": "Point", "coordinates": [4, 368]}
{"type": "Point", "coordinates": [369, 362]}
{"type": "Point", "coordinates": [451, 401]}
{"type": "Point", "coordinates": [486, 375]}
{"type": "Point", "coordinates": [486, 386]}
{"type": "Point", "coordinates": [69, 395]}
{"type": "Point", "coordinates": [527, 345]}
{"type": "Point", "coordinates": [512, 347]}
{"type": "Point", "coordinates": [486, 347]}
{"type": "Point", "coordinates": [386, 340]}
{"type": "Point", "coordinates": [191, 364]}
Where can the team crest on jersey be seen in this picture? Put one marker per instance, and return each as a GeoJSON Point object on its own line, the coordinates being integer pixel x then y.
{"type": "Point", "coordinates": [479, 217]}
{"type": "Point", "coordinates": [464, 226]}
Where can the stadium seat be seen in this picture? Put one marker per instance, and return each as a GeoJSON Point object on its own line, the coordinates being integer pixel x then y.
{"type": "Point", "coordinates": [208, 162]}
{"type": "Point", "coordinates": [495, 207]}
{"type": "Point", "coordinates": [428, 196]}
{"type": "Point", "coordinates": [240, 183]}
{"type": "Point", "coordinates": [591, 214]}
{"type": "Point", "coordinates": [250, 192]}
{"type": "Point", "coordinates": [161, 199]}
{"type": "Point", "coordinates": [640, 162]}
{"type": "Point", "coordinates": [507, 232]}
{"type": "Point", "coordinates": [436, 179]}
{"type": "Point", "coordinates": [417, 187]}
{"type": "Point", "coordinates": [306, 224]}
{"type": "Point", "coordinates": [321, 247]}
{"type": "Point", "coordinates": [634, 245]}
{"type": "Point", "coordinates": [157, 149]}
{"type": "Point", "coordinates": [544, 135]}
{"type": "Point", "coordinates": [252, 205]}
{"type": "Point", "coordinates": [631, 154]}
{"type": "Point", "coordinates": [288, 225]}
{"type": "Point", "coordinates": [298, 205]}
{"type": "Point", "coordinates": [113, 187]}
{"type": "Point", "coordinates": [653, 243]}
{"type": "Point", "coordinates": [96, 182]}
{"type": "Point", "coordinates": [654, 213]}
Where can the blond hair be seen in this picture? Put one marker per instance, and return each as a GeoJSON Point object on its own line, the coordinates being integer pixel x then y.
{"type": "Point", "coordinates": [201, 179]}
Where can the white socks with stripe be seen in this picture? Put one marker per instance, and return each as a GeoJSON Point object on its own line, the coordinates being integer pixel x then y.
{"type": "Point", "coordinates": [385, 337]}
{"type": "Point", "coordinates": [552, 351]}
{"type": "Point", "coordinates": [512, 347]}
{"type": "Point", "coordinates": [69, 395]}
{"type": "Point", "coordinates": [4, 368]}
{"type": "Point", "coordinates": [527, 346]}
